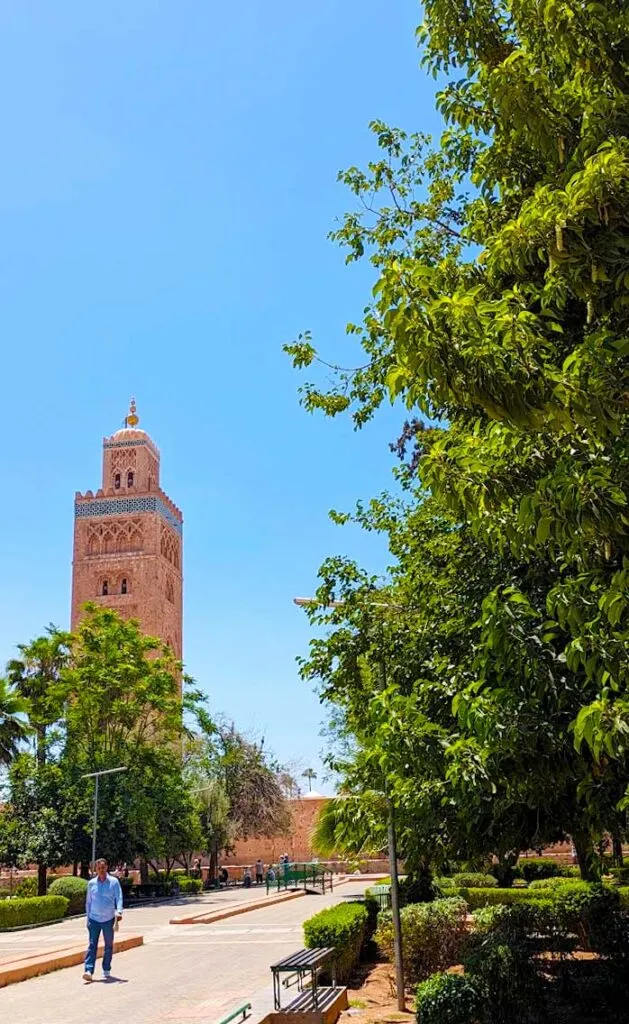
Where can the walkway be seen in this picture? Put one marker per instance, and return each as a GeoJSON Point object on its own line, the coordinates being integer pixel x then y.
{"type": "Point", "coordinates": [183, 973]}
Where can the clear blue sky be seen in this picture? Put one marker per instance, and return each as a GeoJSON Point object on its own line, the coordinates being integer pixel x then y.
{"type": "Point", "coordinates": [166, 188]}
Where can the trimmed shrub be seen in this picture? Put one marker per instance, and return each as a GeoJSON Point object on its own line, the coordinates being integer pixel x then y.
{"type": "Point", "coordinates": [474, 880]}
{"type": "Point", "coordinates": [26, 887]}
{"type": "Point", "coordinates": [17, 913]}
{"type": "Point", "coordinates": [539, 867]}
{"type": "Point", "coordinates": [623, 896]}
{"type": "Point", "coordinates": [444, 883]}
{"type": "Point", "coordinates": [343, 927]}
{"type": "Point", "coordinates": [620, 876]}
{"type": "Point", "coordinates": [504, 975]}
{"type": "Point", "coordinates": [74, 889]}
{"type": "Point", "coordinates": [476, 898]}
{"type": "Point", "coordinates": [589, 911]}
{"type": "Point", "coordinates": [552, 883]}
{"type": "Point", "coordinates": [448, 999]}
{"type": "Point", "coordinates": [189, 885]}
{"type": "Point", "coordinates": [432, 934]}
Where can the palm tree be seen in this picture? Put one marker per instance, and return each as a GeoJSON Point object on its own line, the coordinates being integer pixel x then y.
{"type": "Point", "coordinates": [34, 677]}
{"type": "Point", "coordinates": [13, 725]}
{"type": "Point", "coordinates": [309, 774]}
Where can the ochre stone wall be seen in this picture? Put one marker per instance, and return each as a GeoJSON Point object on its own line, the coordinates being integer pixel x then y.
{"type": "Point", "coordinates": [297, 844]}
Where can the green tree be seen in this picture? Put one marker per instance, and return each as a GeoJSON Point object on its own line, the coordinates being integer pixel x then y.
{"type": "Point", "coordinates": [501, 310]}
{"type": "Point", "coordinates": [36, 675]}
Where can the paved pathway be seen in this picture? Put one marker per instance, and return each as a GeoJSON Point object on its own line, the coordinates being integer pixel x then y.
{"type": "Point", "coordinates": [183, 974]}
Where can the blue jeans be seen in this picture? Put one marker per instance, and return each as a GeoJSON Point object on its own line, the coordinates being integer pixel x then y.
{"type": "Point", "coordinates": [94, 928]}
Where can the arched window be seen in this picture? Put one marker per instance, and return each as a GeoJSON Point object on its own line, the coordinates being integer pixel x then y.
{"type": "Point", "coordinates": [117, 481]}
{"type": "Point", "coordinates": [129, 479]}
{"type": "Point", "coordinates": [105, 588]}
{"type": "Point", "coordinates": [123, 587]}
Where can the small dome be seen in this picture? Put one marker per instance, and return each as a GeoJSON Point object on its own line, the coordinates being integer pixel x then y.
{"type": "Point", "coordinates": [129, 434]}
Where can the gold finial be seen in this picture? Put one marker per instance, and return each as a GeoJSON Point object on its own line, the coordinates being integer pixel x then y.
{"type": "Point", "coordinates": [132, 419]}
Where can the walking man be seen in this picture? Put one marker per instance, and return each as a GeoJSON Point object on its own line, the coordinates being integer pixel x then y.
{"type": "Point", "coordinates": [103, 906]}
{"type": "Point", "coordinates": [259, 871]}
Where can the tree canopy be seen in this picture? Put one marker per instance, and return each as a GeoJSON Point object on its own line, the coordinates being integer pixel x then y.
{"type": "Point", "coordinates": [499, 321]}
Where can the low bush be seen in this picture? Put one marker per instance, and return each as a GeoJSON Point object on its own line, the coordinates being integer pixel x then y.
{"type": "Point", "coordinates": [432, 934]}
{"type": "Point", "coordinates": [591, 912]}
{"type": "Point", "coordinates": [620, 876]}
{"type": "Point", "coordinates": [444, 883]}
{"type": "Point", "coordinates": [17, 913]}
{"type": "Point", "coordinates": [474, 880]}
{"type": "Point", "coordinates": [539, 867]}
{"type": "Point", "coordinates": [74, 889]}
{"type": "Point", "coordinates": [623, 896]}
{"type": "Point", "coordinates": [448, 999]}
{"type": "Point", "coordinates": [343, 927]}
{"type": "Point", "coordinates": [26, 887]}
{"type": "Point", "coordinates": [476, 898]}
{"type": "Point", "coordinates": [189, 885]}
{"type": "Point", "coordinates": [504, 975]}
{"type": "Point", "coordinates": [552, 883]}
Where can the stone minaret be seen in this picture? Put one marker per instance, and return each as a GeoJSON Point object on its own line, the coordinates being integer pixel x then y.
{"type": "Point", "coordinates": [128, 539]}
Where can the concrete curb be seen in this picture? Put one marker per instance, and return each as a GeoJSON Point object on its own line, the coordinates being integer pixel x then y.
{"type": "Point", "coordinates": [234, 911]}
{"type": "Point", "coordinates": [23, 967]}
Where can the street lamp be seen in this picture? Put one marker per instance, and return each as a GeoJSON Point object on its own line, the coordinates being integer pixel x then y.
{"type": "Point", "coordinates": [306, 602]}
{"type": "Point", "coordinates": [97, 775]}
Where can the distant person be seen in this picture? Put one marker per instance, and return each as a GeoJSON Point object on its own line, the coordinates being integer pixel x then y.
{"type": "Point", "coordinates": [224, 876]}
{"type": "Point", "coordinates": [247, 879]}
{"type": "Point", "coordinates": [259, 871]}
{"type": "Point", "coordinates": [125, 871]}
{"type": "Point", "coordinates": [270, 876]}
{"type": "Point", "coordinates": [103, 907]}
{"type": "Point", "coordinates": [196, 869]}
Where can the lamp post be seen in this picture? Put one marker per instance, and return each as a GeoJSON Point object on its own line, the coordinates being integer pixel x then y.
{"type": "Point", "coordinates": [96, 776]}
{"type": "Point", "coordinates": [305, 602]}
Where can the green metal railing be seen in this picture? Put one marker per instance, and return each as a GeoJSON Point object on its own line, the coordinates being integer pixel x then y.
{"type": "Point", "coordinates": [242, 1011]}
{"type": "Point", "coordinates": [297, 876]}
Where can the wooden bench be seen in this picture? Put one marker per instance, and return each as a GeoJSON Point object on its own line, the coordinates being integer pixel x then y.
{"type": "Point", "coordinates": [303, 963]}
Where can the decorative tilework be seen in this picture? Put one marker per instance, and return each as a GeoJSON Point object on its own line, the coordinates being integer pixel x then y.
{"type": "Point", "coordinates": [123, 506]}
{"type": "Point", "coordinates": [128, 444]}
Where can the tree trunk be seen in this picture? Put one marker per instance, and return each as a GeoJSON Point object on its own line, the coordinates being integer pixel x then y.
{"type": "Point", "coordinates": [75, 868]}
{"type": "Point", "coordinates": [144, 871]}
{"type": "Point", "coordinates": [585, 856]}
{"type": "Point", "coordinates": [213, 863]}
{"type": "Point", "coordinates": [41, 879]}
{"type": "Point", "coordinates": [85, 869]}
{"type": "Point", "coordinates": [617, 851]}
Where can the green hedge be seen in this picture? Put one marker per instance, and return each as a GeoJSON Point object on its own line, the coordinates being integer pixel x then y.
{"type": "Point", "coordinates": [474, 880]}
{"type": "Point", "coordinates": [345, 929]}
{"type": "Point", "coordinates": [540, 867]}
{"type": "Point", "coordinates": [476, 898]}
{"type": "Point", "coordinates": [75, 891]}
{"type": "Point", "coordinates": [552, 883]}
{"type": "Point", "coordinates": [34, 910]}
{"type": "Point", "coordinates": [189, 885]}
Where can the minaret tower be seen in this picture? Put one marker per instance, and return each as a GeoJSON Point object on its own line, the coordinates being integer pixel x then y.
{"type": "Point", "coordinates": [128, 539]}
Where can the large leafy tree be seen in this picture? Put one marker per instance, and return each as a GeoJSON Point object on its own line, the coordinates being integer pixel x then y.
{"type": "Point", "coordinates": [501, 308]}
{"type": "Point", "coordinates": [500, 319]}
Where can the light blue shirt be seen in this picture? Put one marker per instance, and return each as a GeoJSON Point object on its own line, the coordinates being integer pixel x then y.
{"type": "Point", "coordinates": [104, 899]}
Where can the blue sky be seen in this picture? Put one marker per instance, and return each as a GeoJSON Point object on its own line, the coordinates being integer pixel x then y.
{"type": "Point", "coordinates": [166, 188]}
